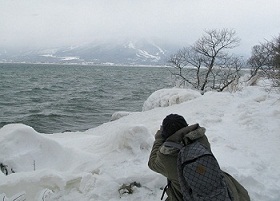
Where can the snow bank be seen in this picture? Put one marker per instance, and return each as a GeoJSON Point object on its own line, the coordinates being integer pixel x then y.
{"type": "Point", "coordinates": [87, 161]}
{"type": "Point", "coordinates": [168, 97]}
{"type": "Point", "coordinates": [100, 163]}
{"type": "Point", "coordinates": [119, 114]}
{"type": "Point", "coordinates": [25, 150]}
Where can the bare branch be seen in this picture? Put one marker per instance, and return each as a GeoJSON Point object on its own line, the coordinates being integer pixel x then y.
{"type": "Point", "coordinates": [265, 59]}
{"type": "Point", "coordinates": [209, 57]}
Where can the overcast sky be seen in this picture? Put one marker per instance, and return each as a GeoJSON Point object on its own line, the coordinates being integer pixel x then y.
{"type": "Point", "coordinates": [49, 23]}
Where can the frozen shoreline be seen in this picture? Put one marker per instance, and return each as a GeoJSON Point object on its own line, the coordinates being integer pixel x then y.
{"type": "Point", "coordinates": [243, 129]}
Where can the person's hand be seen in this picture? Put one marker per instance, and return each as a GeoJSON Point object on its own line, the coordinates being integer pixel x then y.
{"type": "Point", "coordinates": [158, 134]}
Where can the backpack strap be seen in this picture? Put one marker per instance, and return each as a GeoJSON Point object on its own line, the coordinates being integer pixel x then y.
{"type": "Point", "coordinates": [165, 188]}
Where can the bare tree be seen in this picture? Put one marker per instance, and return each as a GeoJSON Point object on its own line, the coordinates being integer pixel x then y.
{"type": "Point", "coordinates": [265, 60]}
{"type": "Point", "coordinates": [261, 58]}
{"type": "Point", "coordinates": [208, 63]}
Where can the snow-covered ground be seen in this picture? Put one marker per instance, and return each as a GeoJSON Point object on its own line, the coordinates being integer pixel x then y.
{"type": "Point", "coordinates": [243, 128]}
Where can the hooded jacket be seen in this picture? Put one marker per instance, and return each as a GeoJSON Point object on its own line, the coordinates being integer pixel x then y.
{"type": "Point", "coordinates": [163, 160]}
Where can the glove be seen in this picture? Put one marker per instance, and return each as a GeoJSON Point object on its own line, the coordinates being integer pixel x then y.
{"type": "Point", "coordinates": [158, 134]}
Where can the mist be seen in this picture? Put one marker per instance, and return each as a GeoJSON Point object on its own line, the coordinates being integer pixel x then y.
{"type": "Point", "coordinates": [51, 23]}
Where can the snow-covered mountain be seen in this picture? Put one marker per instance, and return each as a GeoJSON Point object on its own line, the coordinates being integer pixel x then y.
{"type": "Point", "coordinates": [128, 52]}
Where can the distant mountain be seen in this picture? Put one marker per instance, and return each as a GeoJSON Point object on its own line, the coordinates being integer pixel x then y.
{"type": "Point", "coordinates": [140, 52]}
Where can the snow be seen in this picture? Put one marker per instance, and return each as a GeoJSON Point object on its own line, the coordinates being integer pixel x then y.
{"type": "Point", "coordinates": [168, 97]}
{"type": "Point", "coordinates": [131, 45]}
{"type": "Point", "coordinates": [243, 129]}
{"type": "Point", "coordinates": [145, 54]}
{"type": "Point", "coordinates": [69, 58]}
{"type": "Point", "coordinates": [62, 58]}
{"type": "Point", "coordinates": [48, 55]}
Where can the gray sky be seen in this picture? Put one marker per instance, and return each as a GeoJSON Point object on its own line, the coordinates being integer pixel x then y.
{"type": "Point", "coordinates": [49, 23]}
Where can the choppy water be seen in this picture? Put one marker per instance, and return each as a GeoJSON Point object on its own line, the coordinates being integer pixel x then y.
{"type": "Point", "coordinates": [57, 98]}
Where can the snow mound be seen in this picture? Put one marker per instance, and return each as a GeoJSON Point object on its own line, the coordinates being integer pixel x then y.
{"type": "Point", "coordinates": [26, 150]}
{"type": "Point", "coordinates": [46, 166]}
{"type": "Point", "coordinates": [168, 97]}
{"type": "Point", "coordinates": [119, 114]}
{"type": "Point", "coordinates": [133, 139]}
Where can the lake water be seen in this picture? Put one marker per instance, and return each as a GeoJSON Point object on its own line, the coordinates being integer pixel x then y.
{"type": "Point", "coordinates": [58, 98]}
